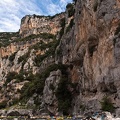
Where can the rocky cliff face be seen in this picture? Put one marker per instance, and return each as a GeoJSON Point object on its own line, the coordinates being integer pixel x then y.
{"type": "Point", "coordinates": [70, 64]}
{"type": "Point", "coordinates": [91, 48]}
{"type": "Point", "coordinates": [40, 24]}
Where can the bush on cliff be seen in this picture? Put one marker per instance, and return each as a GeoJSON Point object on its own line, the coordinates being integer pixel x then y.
{"type": "Point", "coordinates": [71, 9]}
{"type": "Point", "coordinates": [38, 82]}
{"type": "Point", "coordinates": [117, 30]}
{"type": "Point", "coordinates": [13, 75]}
{"type": "Point", "coordinates": [106, 104]}
{"type": "Point", "coordinates": [70, 25]}
{"type": "Point", "coordinates": [10, 76]}
{"type": "Point", "coordinates": [12, 57]}
{"type": "Point", "coordinates": [64, 96]}
{"type": "Point", "coordinates": [95, 5]}
{"type": "Point", "coordinates": [3, 104]}
{"type": "Point", "coordinates": [50, 52]}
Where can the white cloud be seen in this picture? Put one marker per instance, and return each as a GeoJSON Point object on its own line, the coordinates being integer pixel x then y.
{"type": "Point", "coordinates": [11, 11]}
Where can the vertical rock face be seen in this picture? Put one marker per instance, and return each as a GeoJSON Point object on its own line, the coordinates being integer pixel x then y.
{"type": "Point", "coordinates": [40, 24]}
{"type": "Point", "coordinates": [92, 48]}
{"type": "Point", "coordinates": [51, 85]}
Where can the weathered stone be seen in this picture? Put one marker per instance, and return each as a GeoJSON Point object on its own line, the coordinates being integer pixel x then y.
{"type": "Point", "coordinates": [40, 24]}
{"type": "Point", "coordinates": [50, 87]}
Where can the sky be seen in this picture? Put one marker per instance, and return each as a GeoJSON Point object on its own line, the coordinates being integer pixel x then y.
{"type": "Point", "coordinates": [12, 11]}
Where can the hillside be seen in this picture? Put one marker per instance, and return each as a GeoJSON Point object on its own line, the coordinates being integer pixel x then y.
{"type": "Point", "coordinates": [63, 64]}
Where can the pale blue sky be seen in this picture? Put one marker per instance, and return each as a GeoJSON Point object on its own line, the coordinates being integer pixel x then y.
{"type": "Point", "coordinates": [11, 11]}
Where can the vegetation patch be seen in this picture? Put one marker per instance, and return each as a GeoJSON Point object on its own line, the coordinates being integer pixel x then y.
{"type": "Point", "coordinates": [70, 25]}
{"type": "Point", "coordinates": [64, 95]}
{"type": "Point", "coordinates": [82, 107]}
{"type": "Point", "coordinates": [12, 57]}
{"type": "Point", "coordinates": [33, 36]}
{"type": "Point", "coordinates": [13, 75]}
{"type": "Point", "coordinates": [62, 24]}
{"type": "Point", "coordinates": [52, 87]}
{"type": "Point", "coordinates": [95, 5]}
{"type": "Point", "coordinates": [24, 57]}
{"type": "Point", "coordinates": [117, 30]}
{"type": "Point", "coordinates": [52, 17]}
{"type": "Point", "coordinates": [10, 76]}
{"type": "Point", "coordinates": [106, 104]}
{"type": "Point", "coordinates": [71, 10]}
{"type": "Point", "coordinates": [38, 82]}
{"type": "Point", "coordinates": [3, 104]}
{"type": "Point", "coordinates": [50, 52]}
{"type": "Point", "coordinates": [7, 37]}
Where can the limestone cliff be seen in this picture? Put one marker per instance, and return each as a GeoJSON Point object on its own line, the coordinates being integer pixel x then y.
{"type": "Point", "coordinates": [40, 24]}
{"type": "Point", "coordinates": [65, 64]}
{"type": "Point", "coordinates": [91, 47]}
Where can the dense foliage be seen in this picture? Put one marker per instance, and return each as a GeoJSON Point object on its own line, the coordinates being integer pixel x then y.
{"type": "Point", "coordinates": [38, 82]}
{"type": "Point", "coordinates": [7, 37]}
{"type": "Point", "coordinates": [13, 75]}
{"type": "Point", "coordinates": [71, 9]}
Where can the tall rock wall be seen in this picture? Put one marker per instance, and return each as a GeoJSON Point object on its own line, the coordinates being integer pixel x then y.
{"type": "Point", "coordinates": [91, 47]}
{"type": "Point", "coordinates": [40, 24]}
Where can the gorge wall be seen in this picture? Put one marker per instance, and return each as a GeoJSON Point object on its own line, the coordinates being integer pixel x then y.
{"type": "Point", "coordinates": [65, 64]}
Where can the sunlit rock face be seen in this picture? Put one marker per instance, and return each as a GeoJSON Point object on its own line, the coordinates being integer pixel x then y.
{"type": "Point", "coordinates": [91, 47]}
{"type": "Point", "coordinates": [40, 24]}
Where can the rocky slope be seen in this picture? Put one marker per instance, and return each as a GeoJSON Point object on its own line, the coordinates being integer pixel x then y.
{"type": "Point", "coordinates": [65, 64]}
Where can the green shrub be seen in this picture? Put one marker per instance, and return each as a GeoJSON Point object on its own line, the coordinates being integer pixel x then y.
{"type": "Point", "coordinates": [62, 22]}
{"type": "Point", "coordinates": [64, 96]}
{"type": "Point", "coordinates": [59, 52]}
{"type": "Point", "coordinates": [82, 107]}
{"type": "Point", "coordinates": [13, 75]}
{"type": "Point", "coordinates": [51, 52]}
{"type": "Point", "coordinates": [117, 30]}
{"type": "Point", "coordinates": [10, 76]}
{"type": "Point", "coordinates": [70, 25]}
{"type": "Point", "coordinates": [12, 57]}
{"type": "Point", "coordinates": [3, 104]}
{"type": "Point", "coordinates": [71, 9]}
{"type": "Point", "coordinates": [27, 91]}
{"type": "Point", "coordinates": [24, 58]}
{"type": "Point", "coordinates": [69, 6]}
{"type": "Point", "coordinates": [6, 38]}
{"type": "Point", "coordinates": [52, 87]}
{"type": "Point", "coordinates": [61, 32]}
{"type": "Point", "coordinates": [19, 77]}
{"type": "Point", "coordinates": [106, 104]}
{"type": "Point", "coordinates": [95, 5]}
{"type": "Point", "coordinates": [38, 82]}
{"type": "Point", "coordinates": [30, 77]}
{"type": "Point", "coordinates": [13, 102]}
{"type": "Point", "coordinates": [33, 36]}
